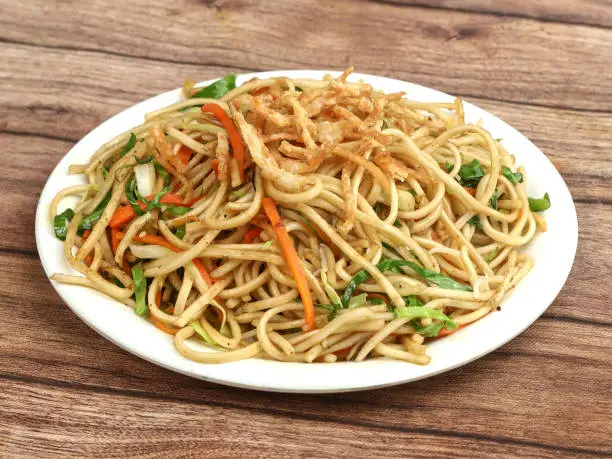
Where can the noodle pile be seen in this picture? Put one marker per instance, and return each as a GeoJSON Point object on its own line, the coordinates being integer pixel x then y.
{"type": "Point", "coordinates": [397, 221]}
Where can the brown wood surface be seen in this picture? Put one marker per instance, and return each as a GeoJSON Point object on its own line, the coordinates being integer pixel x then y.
{"type": "Point", "coordinates": [65, 66]}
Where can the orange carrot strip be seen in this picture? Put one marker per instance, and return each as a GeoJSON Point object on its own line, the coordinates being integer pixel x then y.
{"type": "Point", "coordinates": [232, 132]}
{"type": "Point", "coordinates": [293, 261]}
{"type": "Point", "coordinates": [89, 258]}
{"type": "Point", "coordinates": [251, 234]}
{"type": "Point", "coordinates": [121, 216]}
{"type": "Point", "coordinates": [215, 166]}
{"type": "Point", "coordinates": [115, 239]}
{"type": "Point", "coordinates": [194, 200]}
{"type": "Point", "coordinates": [158, 323]}
{"type": "Point", "coordinates": [184, 154]}
{"type": "Point", "coordinates": [472, 191]}
{"type": "Point", "coordinates": [203, 272]}
{"type": "Point", "coordinates": [156, 240]}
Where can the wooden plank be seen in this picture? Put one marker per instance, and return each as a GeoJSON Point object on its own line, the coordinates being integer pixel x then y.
{"type": "Point", "coordinates": [588, 12]}
{"type": "Point", "coordinates": [80, 422]}
{"type": "Point", "coordinates": [454, 51]}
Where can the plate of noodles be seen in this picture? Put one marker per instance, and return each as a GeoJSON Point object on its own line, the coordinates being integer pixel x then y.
{"type": "Point", "coordinates": [306, 231]}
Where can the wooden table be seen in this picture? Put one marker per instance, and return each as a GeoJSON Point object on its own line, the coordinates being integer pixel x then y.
{"type": "Point", "coordinates": [543, 66]}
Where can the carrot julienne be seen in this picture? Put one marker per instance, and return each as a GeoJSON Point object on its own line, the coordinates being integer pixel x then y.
{"type": "Point", "coordinates": [232, 132]}
{"type": "Point", "coordinates": [292, 259]}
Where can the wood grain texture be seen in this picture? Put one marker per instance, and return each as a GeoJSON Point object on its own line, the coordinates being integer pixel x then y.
{"type": "Point", "coordinates": [67, 66]}
{"type": "Point", "coordinates": [508, 58]}
{"type": "Point", "coordinates": [585, 12]}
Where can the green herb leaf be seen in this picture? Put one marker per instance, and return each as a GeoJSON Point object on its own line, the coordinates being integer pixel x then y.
{"type": "Point", "coordinates": [217, 89]}
{"type": "Point", "coordinates": [140, 290]}
{"type": "Point", "coordinates": [475, 221]}
{"type": "Point", "coordinates": [514, 177]}
{"type": "Point", "coordinates": [413, 301]}
{"type": "Point", "coordinates": [492, 255]}
{"type": "Point", "coordinates": [494, 199]}
{"type": "Point", "coordinates": [180, 232]}
{"type": "Point", "coordinates": [471, 173]}
{"type": "Point", "coordinates": [430, 331]}
{"type": "Point", "coordinates": [376, 301]}
{"type": "Point", "coordinates": [332, 308]}
{"type": "Point", "coordinates": [538, 205]}
{"type": "Point", "coordinates": [130, 194]}
{"type": "Point", "coordinates": [448, 166]}
{"type": "Point", "coordinates": [421, 312]}
{"type": "Point", "coordinates": [128, 146]}
{"type": "Point", "coordinates": [200, 331]}
{"type": "Point", "coordinates": [61, 222]}
{"type": "Point", "coordinates": [88, 222]}
{"type": "Point", "coordinates": [357, 301]}
{"type": "Point", "coordinates": [391, 265]}
{"type": "Point", "coordinates": [331, 293]}
{"type": "Point", "coordinates": [175, 211]}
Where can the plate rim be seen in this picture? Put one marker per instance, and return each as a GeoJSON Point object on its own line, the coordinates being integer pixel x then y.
{"type": "Point", "coordinates": [187, 367]}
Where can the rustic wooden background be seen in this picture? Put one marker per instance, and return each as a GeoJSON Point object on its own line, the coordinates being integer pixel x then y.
{"type": "Point", "coordinates": [543, 66]}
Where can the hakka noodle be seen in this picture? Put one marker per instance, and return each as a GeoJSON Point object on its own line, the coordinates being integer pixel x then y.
{"type": "Point", "coordinates": [301, 220]}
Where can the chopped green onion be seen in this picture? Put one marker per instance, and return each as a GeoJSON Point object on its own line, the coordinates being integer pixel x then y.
{"type": "Point", "coordinates": [140, 290]}
{"type": "Point", "coordinates": [88, 222]}
{"type": "Point", "coordinates": [430, 331]}
{"type": "Point", "coordinates": [413, 301]}
{"type": "Point", "coordinates": [217, 89]}
{"type": "Point", "coordinates": [61, 222]}
{"type": "Point", "coordinates": [422, 312]}
{"type": "Point", "coordinates": [332, 308]}
{"type": "Point", "coordinates": [357, 301]}
{"type": "Point", "coordinates": [128, 146]}
{"type": "Point", "coordinates": [176, 211]}
{"type": "Point", "coordinates": [200, 331]}
{"type": "Point", "coordinates": [376, 301]}
{"type": "Point", "coordinates": [180, 232]}
{"type": "Point", "coordinates": [331, 293]}
{"type": "Point", "coordinates": [513, 177]}
{"type": "Point", "coordinates": [237, 194]}
{"type": "Point", "coordinates": [538, 205]}
{"type": "Point", "coordinates": [494, 199]}
{"type": "Point", "coordinates": [390, 265]}
{"type": "Point", "coordinates": [268, 244]}
{"type": "Point", "coordinates": [492, 255]}
{"type": "Point", "coordinates": [475, 221]}
{"type": "Point", "coordinates": [471, 173]}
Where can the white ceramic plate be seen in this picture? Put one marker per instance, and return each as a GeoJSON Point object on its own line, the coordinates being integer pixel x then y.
{"type": "Point", "coordinates": [553, 252]}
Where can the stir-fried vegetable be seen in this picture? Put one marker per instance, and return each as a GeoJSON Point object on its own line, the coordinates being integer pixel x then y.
{"type": "Point", "coordinates": [131, 143]}
{"type": "Point", "coordinates": [475, 221]}
{"type": "Point", "coordinates": [88, 222]}
{"type": "Point", "coordinates": [541, 204]}
{"type": "Point", "coordinates": [514, 177]}
{"type": "Point", "coordinates": [494, 197]}
{"type": "Point", "coordinates": [390, 265]}
{"type": "Point", "coordinates": [61, 222]}
{"type": "Point", "coordinates": [232, 132]}
{"type": "Point", "coordinates": [292, 259]}
{"type": "Point", "coordinates": [140, 290]}
{"type": "Point", "coordinates": [200, 331]}
{"type": "Point", "coordinates": [217, 89]}
{"type": "Point", "coordinates": [471, 173]}
{"type": "Point", "coordinates": [145, 178]}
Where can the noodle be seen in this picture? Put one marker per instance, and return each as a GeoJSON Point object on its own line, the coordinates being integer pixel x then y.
{"type": "Point", "coordinates": [404, 219]}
